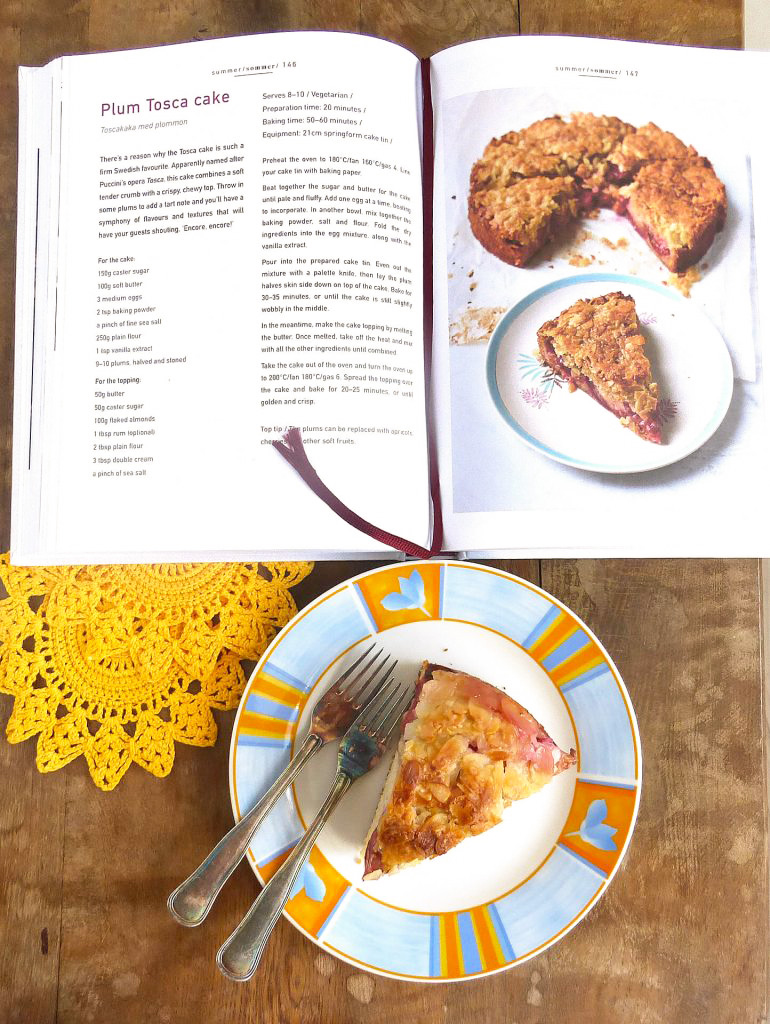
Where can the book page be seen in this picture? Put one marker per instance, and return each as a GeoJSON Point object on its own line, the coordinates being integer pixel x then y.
{"type": "Point", "coordinates": [529, 464]}
{"type": "Point", "coordinates": [239, 252]}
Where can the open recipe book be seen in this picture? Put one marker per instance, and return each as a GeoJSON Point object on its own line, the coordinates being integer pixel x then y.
{"type": "Point", "coordinates": [219, 241]}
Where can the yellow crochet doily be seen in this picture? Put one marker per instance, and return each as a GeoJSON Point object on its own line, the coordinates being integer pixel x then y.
{"type": "Point", "coordinates": [117, 662]}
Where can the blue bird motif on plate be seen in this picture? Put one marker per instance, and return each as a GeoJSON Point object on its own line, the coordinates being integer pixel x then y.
{"type": "Point", "coordinates": [410, 595]}
{"type": "Point", "coordinates": [594, 830]}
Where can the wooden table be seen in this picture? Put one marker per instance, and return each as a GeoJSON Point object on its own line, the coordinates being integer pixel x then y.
{"type": "Point", "coordinates": [681, 934]}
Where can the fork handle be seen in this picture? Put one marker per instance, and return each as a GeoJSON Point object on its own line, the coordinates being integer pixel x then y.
{"type": "Point", "coordinates": [191, 901]}
{"type": "Point", "coordinates": [240, 954]}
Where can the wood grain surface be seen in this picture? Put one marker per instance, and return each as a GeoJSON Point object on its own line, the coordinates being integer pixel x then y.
{"type": "Point", "coordinates": [681, 934]}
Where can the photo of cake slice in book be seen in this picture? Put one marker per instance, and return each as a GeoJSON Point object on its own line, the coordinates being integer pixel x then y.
{"type": "Point", "coordinates": [467, 752]}
{"type": "Point", "coordinates": [529, 185]}
{"type": "Point", "coordinates": [654, 372]}
{"type": "Point", "coordinates": [597, 345]}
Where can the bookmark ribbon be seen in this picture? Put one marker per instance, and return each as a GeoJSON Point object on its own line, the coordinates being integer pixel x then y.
{"type": "Point", "coordinates": [293, 450]}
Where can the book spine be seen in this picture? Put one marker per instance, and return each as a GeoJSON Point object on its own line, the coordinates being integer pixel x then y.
{"type": "Point", "coordinates": [428, 168]}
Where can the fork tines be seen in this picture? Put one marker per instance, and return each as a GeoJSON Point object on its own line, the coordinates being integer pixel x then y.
{"type": "Point", "coordinates": [385, 709]}
{"type": "Point", "coordinates": [363, 685]}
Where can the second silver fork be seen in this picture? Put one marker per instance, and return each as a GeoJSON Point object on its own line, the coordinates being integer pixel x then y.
{"type": "Point", "coordinates": [360, 750]}
{"type": "Point", "coordinates": [191, 901]}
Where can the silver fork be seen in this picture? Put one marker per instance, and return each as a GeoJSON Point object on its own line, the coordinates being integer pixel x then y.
{"type": "Point", "coordinates": [191, 901]}
{"type": "Point", "coordinates": [360, 750]}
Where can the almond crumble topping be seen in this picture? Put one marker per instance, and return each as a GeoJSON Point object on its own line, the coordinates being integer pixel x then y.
{"type": "Point", "coordinates": [467, 751]}
{"type": "Point", "coordinates": [598, 346]}
{"type": "Point", "coordinates": [646, 144]}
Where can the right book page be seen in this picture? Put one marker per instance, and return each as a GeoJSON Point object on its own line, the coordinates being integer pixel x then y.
{"type": "Point", "coordinates": [600, 227]}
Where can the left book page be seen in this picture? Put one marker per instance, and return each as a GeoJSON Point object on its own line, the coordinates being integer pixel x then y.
{"type": "Point", "coordinates": [218, 241]}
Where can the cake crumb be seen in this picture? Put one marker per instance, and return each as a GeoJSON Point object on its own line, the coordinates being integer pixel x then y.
{"type": "Point", "coordinates": [580, 261]}
{"type": "Point", "coordinates": [622, 243]}
{"type": "Point", "coordinates": [684, 282]}
{"type": "Point", "coordinates": [474, 326]}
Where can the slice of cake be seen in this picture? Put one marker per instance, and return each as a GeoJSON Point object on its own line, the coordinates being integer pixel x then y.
{"type": "Point", "coordinates": [643, 146]}
{"type": "Point", "coordinates": [467, 751]}
{"type": "Point", "coordinates": [677, 206]}
{"type": "Point", "coordinates": [583, 143]}
{"type": "Point", "coordinates": [514, 223]}
{"type": "Point", "coordinates": [596, 345]}
{"type": "Point", "coordinates": [512, 157]}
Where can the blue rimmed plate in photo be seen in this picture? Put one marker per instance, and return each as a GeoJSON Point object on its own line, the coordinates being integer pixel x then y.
{"type": "Point", "coordinates": [689, 359]}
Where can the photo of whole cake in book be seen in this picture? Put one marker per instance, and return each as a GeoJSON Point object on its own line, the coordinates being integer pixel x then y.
{"type": "Point", "coordinates": [466, 752]}
{"type": "Point", "coordinates": [530, 184]}
{"type": "Point", "coordinates": [209, 269]}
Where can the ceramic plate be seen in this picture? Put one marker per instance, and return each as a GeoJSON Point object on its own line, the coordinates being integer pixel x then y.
{"type": "Point", "coordinates": [498, 898]}
{"type": "Point", "coordinates": [689, 361]}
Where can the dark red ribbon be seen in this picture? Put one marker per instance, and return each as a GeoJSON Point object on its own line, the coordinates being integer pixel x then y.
{"type": "Point", "coordinates": [293, 450]}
